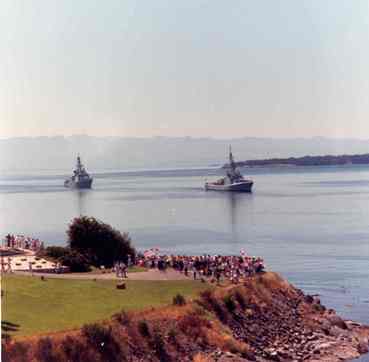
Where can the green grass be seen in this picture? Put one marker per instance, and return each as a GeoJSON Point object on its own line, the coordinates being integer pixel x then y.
{"type": "Point", "coordinates": [59, 304]}
{"type": "Point", "coordinates": [137, 269]}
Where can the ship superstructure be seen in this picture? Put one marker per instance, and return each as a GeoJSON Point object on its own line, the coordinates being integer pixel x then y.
{"type": "Point", "coordinates": [80, 179]}
{"type": "Point", "coordinates": [233, 181]}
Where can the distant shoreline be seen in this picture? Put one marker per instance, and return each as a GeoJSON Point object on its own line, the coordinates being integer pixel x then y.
{"type": "Point", "coordinates": [326, 160]}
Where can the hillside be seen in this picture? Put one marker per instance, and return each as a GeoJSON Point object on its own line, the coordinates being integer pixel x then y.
{"type": "Point", "coordinates": [265, 319]}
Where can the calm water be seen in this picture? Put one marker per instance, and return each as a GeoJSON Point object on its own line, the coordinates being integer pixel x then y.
{"type": "Point", "coordinates": [310, 224]}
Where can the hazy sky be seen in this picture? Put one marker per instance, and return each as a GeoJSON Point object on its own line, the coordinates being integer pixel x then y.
{"type": "Point", "coordinates": [175, 68]}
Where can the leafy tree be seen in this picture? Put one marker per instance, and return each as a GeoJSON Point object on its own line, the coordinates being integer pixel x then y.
{"type": "Point", "coordinates": [55, 252]}
{"type": "Point", "coordinates": [76, 261]}
{"type": "Point", "coordinates": [99, 242]}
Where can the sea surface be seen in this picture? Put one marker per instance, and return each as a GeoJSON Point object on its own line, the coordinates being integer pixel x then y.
{"type": "Point", "coordinates": [311, 224]}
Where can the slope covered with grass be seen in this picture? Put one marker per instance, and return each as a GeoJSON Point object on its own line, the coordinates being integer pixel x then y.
{"type": "Point", "coordinates": [31, 306]}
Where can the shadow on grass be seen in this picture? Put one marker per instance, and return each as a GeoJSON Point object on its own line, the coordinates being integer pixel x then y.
{"type": "Point", "coordinates": [7, 327]}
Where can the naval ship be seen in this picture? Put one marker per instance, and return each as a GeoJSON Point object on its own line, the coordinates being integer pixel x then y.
{"type": "Point", "coordinates": [80, 179]}
{"type": "Point", "coordinates": [234, 181]}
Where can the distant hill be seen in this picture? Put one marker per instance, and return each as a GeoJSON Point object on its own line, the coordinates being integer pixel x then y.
{"type": "Point", "coordinates": [99, 153]}
{"type": "Point", "coordinates": [328, 160]}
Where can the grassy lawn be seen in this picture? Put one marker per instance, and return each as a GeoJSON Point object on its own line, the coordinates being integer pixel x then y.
{"type": "Point", "coordinates": [38, 306]}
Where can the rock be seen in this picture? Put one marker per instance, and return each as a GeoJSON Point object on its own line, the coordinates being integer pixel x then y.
{"type": "Point", "coordinates": [326, 326]}
{"type": "Point", "coordinates": [335, 320]}
{"type": "Point", "coordinates": [313, 337]}
{"type": "Point", "coordinates": [363, 346]}
{"type": "Point", "coordinates": [335, 331]}
{"type": "Point", "coordinates": [121, 286]}
{"type": "Point", "coordinates": [316, 300]}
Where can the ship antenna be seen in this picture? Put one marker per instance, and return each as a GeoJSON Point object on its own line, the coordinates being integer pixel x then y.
{"type": "Point", "coordinates": [231, 161]}
{"type": "Point", "coordinates": [78, 162]}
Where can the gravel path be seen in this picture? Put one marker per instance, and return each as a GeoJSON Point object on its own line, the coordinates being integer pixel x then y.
{"type": "Point", "coordinates": [152, 274]}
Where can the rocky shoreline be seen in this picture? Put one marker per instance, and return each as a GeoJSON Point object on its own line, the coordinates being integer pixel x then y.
{"type": "Point", "coordinates": [291, 326]}
{"type": "Point", "coordinates": [263, 319]}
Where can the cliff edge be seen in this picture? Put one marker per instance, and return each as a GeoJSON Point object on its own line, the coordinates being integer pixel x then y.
{"type": "Point", "coordinates": [263, 319]}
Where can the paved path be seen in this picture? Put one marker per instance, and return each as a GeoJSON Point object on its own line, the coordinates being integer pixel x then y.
{"type": "Point", "coordinates": [152, 274]}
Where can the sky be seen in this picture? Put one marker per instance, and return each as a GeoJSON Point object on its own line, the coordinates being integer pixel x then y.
{"type": "Point", "coordinates": [281, 68]}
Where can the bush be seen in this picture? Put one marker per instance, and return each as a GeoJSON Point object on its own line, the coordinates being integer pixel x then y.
{"type": "Point", "coordinates": [99, 242]}
{"type": "Point", "coordinates": [172, 335]}
{"type": "Point", "coordinates": [209, 302]}
{"type": "Point", "coordinates": [240, 299]}
{"type": "Point", "coordinates": [45, 351]}
{"type": "Point", "coordinates": [95, 334]}
{"type": "Point", "coordinates": [158, 346]}
{"type": "Point", "coordinates": [122, 318]}
{"type": "Point", "coordinates": [229, 303]}
{"type": "Point", "coordinates": [76, 261]}
{"type": "Point", "coordinates": [143, 328]}
{"type": "Point", "coordinates": [73, 349]}
{"type": "Point", "coordinates": [15, 352]}
{"type": "Point", "coordinates": [191, 325]}
{"type": "Point", "coordinates": [102, 340]}
{"type": "Point", "coordinates": [179, 299]}
{"type": "Point", "coordinates": [55, 252]}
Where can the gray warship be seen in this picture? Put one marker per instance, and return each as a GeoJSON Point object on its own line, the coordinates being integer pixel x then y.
{"type": "Point", "coordinates": [80, 179]}
{"type": "Point", "coordinates": [234, 181]}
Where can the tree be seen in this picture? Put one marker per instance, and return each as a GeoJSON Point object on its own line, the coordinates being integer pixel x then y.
{"type": "Point", "coordinates": [77, 262]}
{"type": "Point", "coordinates": [99, 242]}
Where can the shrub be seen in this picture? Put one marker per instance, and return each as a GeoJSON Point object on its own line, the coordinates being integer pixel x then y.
{"type": "Point", "coordinates": [158, 346]}
{"type": "Point", "coordinates": [122, 318]}
{"type": "Point", "coordinates": [99, 242]}
{"type": "Point", "coordinates": [143, 328]}
{"type": "Point", "coordinates": [179, 299]}
{"type": "Point", "coordinates": [191, 325]}
{"type": "Point", "coordinates": [229, 303]}
{"type": "Point", "coordinates": [15, 352]}
{"type": "Point", "coordinates": [240, 299]}
{"type": "Point", "coordinates": [76, 261]}
{"type": "Point", "coordinates": [172, 335]}
{"type": "Point", "coordinates": [102, 340]}
{"type": "Point", "coordinates": [73, 349]}
{"type": "Point", "coordinates": [236, 347]}
{"type": "Point", "coordinates": [55, 252]}
{"type": "Point", "coordinates": [95, 334]}
{"type": "Point", "coordinates": [209, 302]}
{"type": "Point", "coordinates": [45, 351]}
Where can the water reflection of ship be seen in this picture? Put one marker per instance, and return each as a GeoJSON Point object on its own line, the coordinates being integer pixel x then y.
{"type": "Point", "coordinates": [81, 196]}
{"type": "Point", "coordinates": [238, 209]}
{"type": "Point", "coordinates": [232, 203]}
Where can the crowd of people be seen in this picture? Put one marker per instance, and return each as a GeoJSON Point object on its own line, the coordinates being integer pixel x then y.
{"type": "Point", "coordinates": [120, 270]}
{"type": "Point", "coordinates": [213, 267]}
{"type": "Point", "coordinates": [22, 242]}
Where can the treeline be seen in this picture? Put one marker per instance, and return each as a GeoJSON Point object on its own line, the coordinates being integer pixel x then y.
{"type": "Point", "coordinates": [327, 160]}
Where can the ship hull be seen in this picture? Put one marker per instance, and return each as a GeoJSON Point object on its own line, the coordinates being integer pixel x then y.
{"type": "Point", "coordinates": [245, 186]}
{"type": "Point", "coordinates": [85, 184]}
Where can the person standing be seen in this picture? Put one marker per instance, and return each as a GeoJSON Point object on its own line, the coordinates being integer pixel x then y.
{"type": "Point", "coordinates": [124, 270]}
{"type": "Point", "coordinates": [9, 265]}
{"type": "Point", "coordinates": [2, 265]}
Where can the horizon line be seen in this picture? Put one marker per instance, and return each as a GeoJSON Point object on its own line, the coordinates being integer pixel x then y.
{"type": "Point", "coordinates": [186, 137]}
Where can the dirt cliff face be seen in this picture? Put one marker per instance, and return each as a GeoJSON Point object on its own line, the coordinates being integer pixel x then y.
{"type": "Point", "coordinates": [264, 319]}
